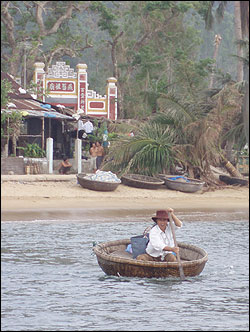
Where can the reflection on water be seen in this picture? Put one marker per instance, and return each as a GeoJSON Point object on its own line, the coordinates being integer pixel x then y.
{"type": "Point", "coordinates": [51, 280]}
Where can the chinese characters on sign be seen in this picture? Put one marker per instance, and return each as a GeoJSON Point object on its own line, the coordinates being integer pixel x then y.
{"type": "Point", "coordinates": [82, 95]}
{"type": "Point", "coordinates": [61, 86]}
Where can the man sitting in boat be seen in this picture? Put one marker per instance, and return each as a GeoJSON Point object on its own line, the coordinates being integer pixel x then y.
{"type": "Point", "coordinates": [161, 243]}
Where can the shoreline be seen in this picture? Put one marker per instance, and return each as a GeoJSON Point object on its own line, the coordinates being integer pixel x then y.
{"type": "Point", "coordinates": [62, 193]}
{"type": "Point", "coordinates": [181, 203]}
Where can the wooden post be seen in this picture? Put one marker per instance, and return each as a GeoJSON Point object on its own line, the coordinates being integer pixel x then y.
{"type": "Point", "coordinates": [182, 275]}
{"type": "Point", "coordinates": [8, 135]}
{"type": "Point", "coordinates": [43, 133]}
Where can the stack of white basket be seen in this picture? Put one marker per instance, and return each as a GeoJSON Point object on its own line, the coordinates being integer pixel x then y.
{"type": "Point", "coordinates": [103, 176]}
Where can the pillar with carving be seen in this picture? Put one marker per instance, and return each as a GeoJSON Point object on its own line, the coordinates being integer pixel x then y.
{"type": "Point", "coordinates": [111, 92]}
{"type": "Point", "coordinates": [39, 80]}
{"type": "Point", "coordinates": [82, 79]}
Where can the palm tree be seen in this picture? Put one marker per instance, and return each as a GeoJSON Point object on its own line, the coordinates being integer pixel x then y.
{"type": "Point", "coordinates": [151, 151]}
{"type": "Point", "coordinates": [202, 127]}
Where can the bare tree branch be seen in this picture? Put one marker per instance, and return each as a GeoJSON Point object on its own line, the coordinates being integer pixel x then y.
{"type": "Point", "coordinates": [62, 50]}
{"type": "Point", "coordinates": [61, 19]}
{"type": "Point", "coordinates": [39, 18]}
{"type": "Point", "coordinates": [8, 22]}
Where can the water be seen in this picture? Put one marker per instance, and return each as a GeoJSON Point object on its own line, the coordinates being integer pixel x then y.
{"type": "Point", "coordinates": [51, 280]}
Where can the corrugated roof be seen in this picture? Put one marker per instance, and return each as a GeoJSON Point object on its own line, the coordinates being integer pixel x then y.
{"type": "Point", "coordinates": [25, 102]}
{"type": "Point", "coordinates": [16, 88]}
{"type": "Point", "coordinates": [41, 114]}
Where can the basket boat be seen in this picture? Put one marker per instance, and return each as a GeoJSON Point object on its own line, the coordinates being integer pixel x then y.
{"type": "Point", "coordinates": [233, 180]}
{"type": "Point", "coordinates": [191, 186]}
{"type": "Point", "coordinates": [96, 185]}
{"type": "Point", "coordinates": [114, 260]}
{"type": "Point", "coordinates": [142, 181]}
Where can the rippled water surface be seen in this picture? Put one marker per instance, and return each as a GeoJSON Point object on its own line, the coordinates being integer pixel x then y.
{"type": "Point", "coordinates": [51, 280]}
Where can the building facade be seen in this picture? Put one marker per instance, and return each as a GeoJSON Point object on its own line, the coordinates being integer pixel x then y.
{"type": "Point", "coordinates": [64, 86]}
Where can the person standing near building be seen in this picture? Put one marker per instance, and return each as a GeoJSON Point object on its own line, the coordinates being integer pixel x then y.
{"type": "Point", "coordinates": [81, 129]}
{"type": "Point", "coordinates": [93, 156]}
{"type": "Point", "coordinates": [100, 154]}
{"type": "Point", "coordinates": [105, 138]}
{"type": "Point", "coordinates": [88, 127]}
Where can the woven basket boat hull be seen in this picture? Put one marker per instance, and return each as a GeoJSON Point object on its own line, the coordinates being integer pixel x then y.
{"type": "Point", "coordinates": [96, 185]}
{"type": "Point", "coordinates": [142, 181]}
{"type": "Point", "coordinates": [189, 187]}
{"type": "Point", "coordinates": [233, 180]}
{"type": "Point", "coordinates": [114, 260]}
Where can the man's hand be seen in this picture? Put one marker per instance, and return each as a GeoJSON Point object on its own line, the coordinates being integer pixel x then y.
{"type": "Point", "coordinates": [170, 210]}
{"type": "Point", "coordinates": [175, 249]}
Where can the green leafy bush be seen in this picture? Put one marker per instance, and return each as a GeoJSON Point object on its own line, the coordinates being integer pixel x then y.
{"type": "Point", "coordinates": [33, 151]}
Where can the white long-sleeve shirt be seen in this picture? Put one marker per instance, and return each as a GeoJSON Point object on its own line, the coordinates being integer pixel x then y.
{"type": "Point", "coordinates": [159, 239]}
{"type": "Point", "coordinates": [80, 125]}
{"type": "Point", "coordinates": [88, 127]}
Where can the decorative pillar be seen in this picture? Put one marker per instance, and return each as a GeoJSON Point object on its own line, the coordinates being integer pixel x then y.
{"type": "Point", "coordinates": [49, 154]}
{"type": "Point", "coordinates": [39, 80]}
{"type": "Point", "coordinates": [43, 133]}
{"type": "Point", "coordinates": [78, 155]}
{"type": "Point", "coordinates": [82, 79]}
{"type": "Point", "coordinates": [111, 92]}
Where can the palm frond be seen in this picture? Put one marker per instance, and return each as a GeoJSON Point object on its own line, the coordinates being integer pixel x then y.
{"type": "Point", "coordinates": [149, 152]}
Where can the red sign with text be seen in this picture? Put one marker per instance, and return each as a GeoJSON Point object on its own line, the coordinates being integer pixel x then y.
{"type": "Point", "coordinates": [61, 86]}
{"type": "Point", "coordinates": [82, 96]}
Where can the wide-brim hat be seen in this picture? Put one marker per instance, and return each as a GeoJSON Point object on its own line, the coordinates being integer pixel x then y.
{"type": "Point", "coordinates": [161, 214]}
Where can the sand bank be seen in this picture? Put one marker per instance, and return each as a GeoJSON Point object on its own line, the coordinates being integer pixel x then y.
{"type": "Point", "coordinates": [36, 192]}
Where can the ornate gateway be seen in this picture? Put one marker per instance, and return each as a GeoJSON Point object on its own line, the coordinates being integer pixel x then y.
{"type": "Point", "coordinates": [66, 87]}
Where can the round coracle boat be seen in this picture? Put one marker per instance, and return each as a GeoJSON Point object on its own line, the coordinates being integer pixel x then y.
{"type": "Point", "coordinates": [182, 183]}
{"type": "Point", "coordinates": [114, 260]}
{"type": "Point", "coordinates": [233, 180]}
{"type": "Point", "coordinates": [95, 184]}
{"type": "Point", "coordinates": [142, 181]}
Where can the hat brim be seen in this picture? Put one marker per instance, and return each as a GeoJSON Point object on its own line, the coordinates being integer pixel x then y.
{"type": "Point", "coordinates": [155, 218]}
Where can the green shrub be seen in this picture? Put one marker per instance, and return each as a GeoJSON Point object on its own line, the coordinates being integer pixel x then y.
{"type": "Point", "coordinates": [33, 151]}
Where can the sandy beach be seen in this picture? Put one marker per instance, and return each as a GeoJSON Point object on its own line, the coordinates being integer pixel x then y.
{"type": "Point", "coordinates": [50, 191]}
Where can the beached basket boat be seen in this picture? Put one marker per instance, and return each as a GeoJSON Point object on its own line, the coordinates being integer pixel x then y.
{"type": "Point", "coordinates": [233, 180]}
{"type": "Point", "coordinates": [114, 260]}
{"type": "Point", "coordinates": [177, 183]}
{"type": "Point", "coordinates": [96, 185]}
{"type": "Point", "coordinates": [142, 181]}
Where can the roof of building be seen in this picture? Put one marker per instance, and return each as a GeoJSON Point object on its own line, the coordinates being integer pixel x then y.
{"type": "Point", "coordinates": [16, 90]}
{"type": "Point", "coordinates": [40, 114]}
{"type": "Point", "coordinates": [21, 101]}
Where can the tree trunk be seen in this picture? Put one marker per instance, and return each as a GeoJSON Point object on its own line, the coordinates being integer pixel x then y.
{"type": "Point", "coordinates": [244, 8]}
{"type": "Point", "coordinates": [116, 73]}
{"type": "Point", "coordinates": [217, 40]}
{"type": "Point", "coordinates": [246, 109]}
{"type": "Point", "coordinates": [231, 169]}
{"type": "Point", "coordinates": [14, 145]}
{"type": "Point", "coordinates": [120, 111]}
{"type": "Point", "coordinates": [238, 35]}
{"type": "Point", "coordinates": [15, 62]}
{"type": "Point", "coordinates": [229, 150]}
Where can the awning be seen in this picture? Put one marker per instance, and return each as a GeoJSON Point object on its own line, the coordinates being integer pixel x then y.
{"type": "Point", "coordinates": [40, 114]}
